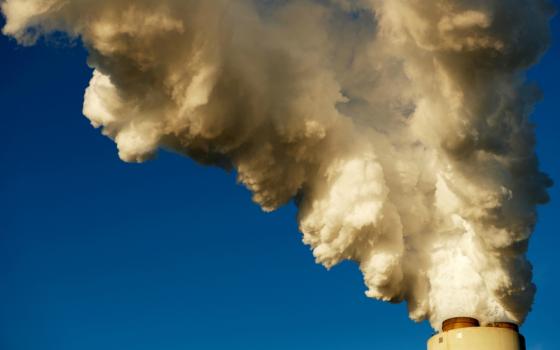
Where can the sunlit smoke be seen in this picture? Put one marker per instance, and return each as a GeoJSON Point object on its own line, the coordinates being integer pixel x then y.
{"type": "Point", "coordinates": [400, 127]}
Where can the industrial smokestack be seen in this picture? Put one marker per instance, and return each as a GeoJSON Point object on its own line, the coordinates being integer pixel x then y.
{"type": "Point", "coordinates": [465, 333]}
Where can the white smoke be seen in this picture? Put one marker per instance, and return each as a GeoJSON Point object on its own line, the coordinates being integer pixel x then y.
{"type": "Point", "coordinates": [400, 127]}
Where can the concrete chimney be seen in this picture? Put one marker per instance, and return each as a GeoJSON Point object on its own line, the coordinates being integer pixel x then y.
{"type": "Point", "coordinates": [465, 333]}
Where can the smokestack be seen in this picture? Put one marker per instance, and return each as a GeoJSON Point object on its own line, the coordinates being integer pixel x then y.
{"type": "Point", "coordinates": [464, 333]}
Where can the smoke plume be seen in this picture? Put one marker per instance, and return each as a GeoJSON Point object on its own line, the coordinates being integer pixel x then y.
{"type": "Point", "coordinates": [401, 128]}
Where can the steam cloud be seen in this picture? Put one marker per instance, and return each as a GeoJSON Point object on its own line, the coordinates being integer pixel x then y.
{"type": "Point", "coordinates": [400, 127]}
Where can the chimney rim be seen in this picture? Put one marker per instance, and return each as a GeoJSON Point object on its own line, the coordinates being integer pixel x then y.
{"type": "Point", "coordinates": [459, 322]}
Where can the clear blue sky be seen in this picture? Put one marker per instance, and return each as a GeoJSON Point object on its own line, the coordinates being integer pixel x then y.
{"type": "Point", "coordinates": [99, 254]}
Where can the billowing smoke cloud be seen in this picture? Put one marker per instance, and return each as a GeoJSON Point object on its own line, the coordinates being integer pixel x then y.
{"type": "Point", "coordinates": [400, 127]}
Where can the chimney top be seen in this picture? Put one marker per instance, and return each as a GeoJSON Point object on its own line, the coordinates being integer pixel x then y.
{"type": "Point", "coordinates": [459, 322]}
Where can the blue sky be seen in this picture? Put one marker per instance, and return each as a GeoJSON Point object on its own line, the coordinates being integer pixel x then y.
{"type": "Point", "coordinates": [99, 254]}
